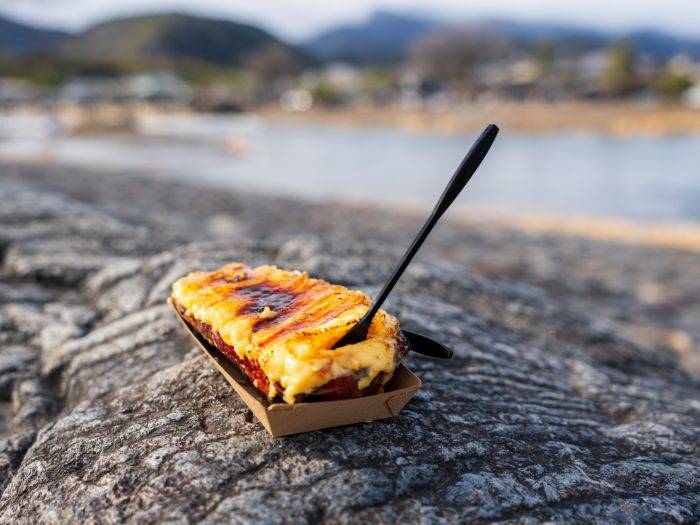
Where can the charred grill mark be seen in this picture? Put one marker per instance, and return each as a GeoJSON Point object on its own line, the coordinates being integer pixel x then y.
{"type": "Point", "coordinates": [280, 315]}
{"type": "Point", "coordinates": [259, 295]}
{"type": "Point", "coordinates": [221, 281]}
{"type": "Point", "coordinates": [292, 308]}
{"type": "Point", "coordinates": [299, 324]}
{"type": "Point", "coordinates": [228, 275]}
{"type": "Point", "coordinates": [301, 307]}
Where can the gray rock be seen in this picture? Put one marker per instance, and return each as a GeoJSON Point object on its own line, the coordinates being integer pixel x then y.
{"type": "Point", "coordinates": [108, 414]}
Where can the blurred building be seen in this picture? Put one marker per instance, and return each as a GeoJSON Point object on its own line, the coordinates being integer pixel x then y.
{"type": "Point", "coordinates": [17, 91]}
{"type": "Point", "coordinates": [160, 87]}
{"type": "Point", "coordinates": [165, 87]}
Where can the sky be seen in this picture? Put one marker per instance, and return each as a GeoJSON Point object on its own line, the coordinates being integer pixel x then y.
{"type": "Point", "coordinates": [298, 19]}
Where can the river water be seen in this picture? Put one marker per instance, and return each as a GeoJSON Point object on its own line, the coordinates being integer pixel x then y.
{"type": "Point", "coordinates": [639, 177]}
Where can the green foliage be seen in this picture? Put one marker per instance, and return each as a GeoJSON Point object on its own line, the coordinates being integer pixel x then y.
{"type": "Point", "coordinates": [199, 73]}
{"type": "Point", "coordinates": [620, 74]}
{"type": "Point", "coordinates": [325, 93]}
{"type": "Point", "coordinates": [672, 83]}
{"type": "Point", "coordinates": [568, 80]}
{"type": "Point", "coordinates": [544, 56]}
{"type": "Point", "coordinates": [378, 79]}
{"type": "Point", "coordinates": [51, 71]}
{"type": "Point", "coordinates": [166, 40]}
{"type": "Point", "coordinates": [201, 50]}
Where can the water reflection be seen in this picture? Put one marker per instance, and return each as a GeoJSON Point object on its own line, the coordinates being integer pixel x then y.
{"type": "Point", "coordinates": [641, 178]}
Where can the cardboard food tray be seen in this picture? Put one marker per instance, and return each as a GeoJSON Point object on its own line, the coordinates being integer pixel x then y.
{"type": "Point", "coordinates": [282, 419]}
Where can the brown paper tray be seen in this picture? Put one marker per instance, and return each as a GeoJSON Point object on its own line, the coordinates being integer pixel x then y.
{"type": "Point", "coordinates": [282, 419]}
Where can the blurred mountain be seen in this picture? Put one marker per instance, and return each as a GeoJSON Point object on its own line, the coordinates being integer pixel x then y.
{"type": "Point", "coordinates": [662, 45]}
{"type": "Point", "coordinates": [384, 38]}
{"type": "Point", "coordinates": [169, 39]}
{"type": "Point", "coordinates": [539, 32]}
{"type": "Point", "coordinates": [657, 44]}
{"type": "Point", "coordinates": [17, 38]}
{"type": "Point", "coordinates": [387, 37]}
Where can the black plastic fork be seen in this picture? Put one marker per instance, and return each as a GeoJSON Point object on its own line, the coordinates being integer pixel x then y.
{"type": "Point", "coordinates": [459, 180]}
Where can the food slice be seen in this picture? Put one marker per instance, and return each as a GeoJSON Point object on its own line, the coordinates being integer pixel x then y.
{"type": "Point", "coordinates": [279, 327]}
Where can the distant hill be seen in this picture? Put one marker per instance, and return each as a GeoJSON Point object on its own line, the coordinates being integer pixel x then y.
{"type": "Point", "coordinates": [386, 38]}
{"type": "Point", "coordinates": [383, 39]}
{"type": "Point", "coordinates": [656, 44]}
{"type": "Point", "coordinates": [170, 38]}
{"type": "Point", "coordinates": [19, 39]}
{"type": "Point", "coordinates": [662, 45]}
{"type": "Point", "coordinates": [538, 32]}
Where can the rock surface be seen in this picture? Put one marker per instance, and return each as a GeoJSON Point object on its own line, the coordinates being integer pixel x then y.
{"type": "Point", "coordinates": [548, 412]}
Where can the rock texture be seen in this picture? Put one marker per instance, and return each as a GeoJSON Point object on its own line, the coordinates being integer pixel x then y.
{"type": "Point", "coordinates": [548, 412]}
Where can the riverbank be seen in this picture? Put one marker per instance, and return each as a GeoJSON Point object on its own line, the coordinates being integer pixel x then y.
{"type": "Point", "coordinates": [617, 119]}
{"type": "Point", "coordinates": [680, 236]}
{"type": "Point", "coordinates": [611, 118]}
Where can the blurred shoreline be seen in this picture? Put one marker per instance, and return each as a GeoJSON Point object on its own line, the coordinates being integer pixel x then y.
{"type": "Point", "coordinates": [557, 173]}
{"type": "Point", "coordinates": [670, 235]}
{"type": "Point", "coordinates": [618, 119]}
{"type": "Point", "coordinates": [609, 118]}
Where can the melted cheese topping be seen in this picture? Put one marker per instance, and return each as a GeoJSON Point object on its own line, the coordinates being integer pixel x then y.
{"type": "Point", "coordinates": [288, 322]}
